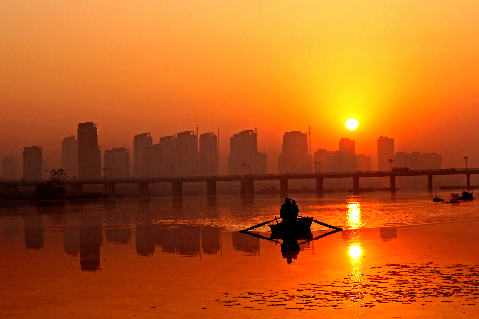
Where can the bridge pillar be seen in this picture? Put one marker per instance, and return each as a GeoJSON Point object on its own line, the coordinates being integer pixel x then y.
{"type": "Point", "coordinates": [355, 184]}
{"type": "Point", "coordinates": [211, 188]}
{"type": "Point", "coordinates": [76, 189]}
{"type": "Point", "coordinates": [143, 189]}
{"type": "Point", "coordinates": [429, 183]}
{"type": "Point", "coordinates": [283, 187]}
{"type": "Point", "coordinates": [319, 185]}
{"type": "Point", "coordinates": [468, 179]}
{"type": "Point", "coordinates": [109, 188]}
{"type": "Point", "coordinates": [247, 187]}
{"type": "Point", "coordinates": [392, 183]}
{"type": "Point", "coordinates": [177, 190]}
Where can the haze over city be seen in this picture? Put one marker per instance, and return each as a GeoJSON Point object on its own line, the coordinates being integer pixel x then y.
{"type": "Point", "coordinates": [406, 70]}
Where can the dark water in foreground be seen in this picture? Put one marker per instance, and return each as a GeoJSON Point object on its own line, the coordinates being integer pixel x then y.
{"type": "Point", "coordinates": [400, 256]}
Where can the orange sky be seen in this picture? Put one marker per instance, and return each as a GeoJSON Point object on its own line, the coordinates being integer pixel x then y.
{"type": "Point", "coordinates": [405, 69]}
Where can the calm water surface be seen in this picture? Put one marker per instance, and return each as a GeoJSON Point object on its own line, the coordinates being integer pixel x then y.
{"type": "Point", "coordinates": [399, 256]}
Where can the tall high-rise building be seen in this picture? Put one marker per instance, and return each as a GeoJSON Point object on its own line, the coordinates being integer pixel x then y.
{"type": "Point", "coordinates": [167, 157]}
{"type": "Point", "coordinates": [208, 154]}
{"type": "Point", "coordinates": [385, 153]}
{"type": "Point", "coordinates": [152, 160]}
{"type": "Point", "coordinates": [345, 157]}
{"type": "Point", "coordinates": [295, 158]}
{"type": "Point", "coordinates": [10, 168]}
{"type": "Point", "coordinates": [32, 163]}
{"type": "Point", "coordinates": [117, 163]}
{"type": "Point", "coordinates": [140, 143]}
{"type": "Point", "coordinates": [89, 155]}
{"type": "Point", "coordinates": [70, 156]}
{"type": "Point", "coordinates": [244, 157]}
{"type": "Point", "coordinates": [186, 153]}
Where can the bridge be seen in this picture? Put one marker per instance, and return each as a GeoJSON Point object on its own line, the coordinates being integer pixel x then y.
{"type": "Point", "coordinates": [247, 181]}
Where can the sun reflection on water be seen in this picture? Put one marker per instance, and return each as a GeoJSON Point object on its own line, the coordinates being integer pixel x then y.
{"type": "Point", "coordinates": [354, 214]}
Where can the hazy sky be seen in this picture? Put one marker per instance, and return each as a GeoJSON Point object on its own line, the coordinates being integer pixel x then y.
{"type": "Point", "coordinates": [407, 69]}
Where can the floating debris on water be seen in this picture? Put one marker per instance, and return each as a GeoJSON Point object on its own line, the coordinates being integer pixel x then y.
{"type": "Point", "coordinates": [398, 283]}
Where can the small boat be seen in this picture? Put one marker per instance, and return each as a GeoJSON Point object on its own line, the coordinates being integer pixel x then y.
{"type": "Point", "coordinates": [466, 196]}
{"type": "Point", "coordinates": [300, 228]}
{"type": "Point", "coordinates": [437, 199]}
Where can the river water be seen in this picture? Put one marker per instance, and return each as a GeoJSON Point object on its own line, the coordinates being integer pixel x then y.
{"type": "Point", "coordinates": [399, 256]}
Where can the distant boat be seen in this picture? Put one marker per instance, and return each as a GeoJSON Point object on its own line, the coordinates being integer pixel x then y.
{"type": "Point", "coordinates": [466, 196]}
{"type": "Point", "coordinates": [437, 199]}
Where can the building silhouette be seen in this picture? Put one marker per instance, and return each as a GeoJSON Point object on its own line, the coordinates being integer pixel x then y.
{"type": "Point", "coordinates": [244, 157]}
{"type": "Point", "coordinates": [416, 160]}
{"type": "Point", "coordinates": [10, 168]}
{"type": "Point", "coordinates": [89, 155]}
{"type": "Point", "coordinates": [140, 144]}
{"type": "Point", "coordinates": [294, 157]}
{"type": "Point", "coordinates": [208, 154]}
{"type": "Point", "coordinates": [70, 156]}
{"type": "Point", "coordinates": [167, 156]}
{"type": "Point", "coordinates": [32, 163]}
{"type": "Point", "coordinates": [117, 163]}
{"type": "Point", "coordinates": [344, 159]}
{"type": "Point", "coordinates": [186, 153]}
{"type": "Point", "coordinates": [152, 160]}
{"type": "Point", "coordinates": [323, 161]}
{"type": "Point", "coordinates": [385, 153]}
{"type": "Point", "coordinates": [363, 162]}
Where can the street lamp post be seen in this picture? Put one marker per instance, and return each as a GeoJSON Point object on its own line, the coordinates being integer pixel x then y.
{"type": "Point", "coordinates": [466, 158]}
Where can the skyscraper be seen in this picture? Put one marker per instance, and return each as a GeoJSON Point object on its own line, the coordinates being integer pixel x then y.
{"type": "Point", "coordinates": [70, 156]}
{"type": "Point", "coordinates": [345, 158]}
{"type": "Point", "coordinates": [167, 159]}
{"type": "Point", "coordinates": [186, 153]}
{"type": "Point", "coordinates": [295, 158]}
{"type": "Point", "coordinates": [89, 155]}
{"type": "Point", "coordinates": [140, 143]}
{"type": "Point", "coordinates": [117, 163]}
{"type": "Point", "coordinates": [32, 163]}
{"type": "Point", "coordinates": [385, 153]}
{"type": "Point", "coordinates": [208, 154]}
{"type": "Point", "coordinates": [244, 157]}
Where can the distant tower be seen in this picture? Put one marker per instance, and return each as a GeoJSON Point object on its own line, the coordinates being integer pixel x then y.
{"type": "Point", "coordinates": [385, 153]}
{"type": "Point", "coordinates": [140, 143]}
{"type": "Point", "coordinates": [295, 156]}
{"type": "Point", "coordinates": [244, 157]}
{"type": "Point", "coordinates": [89, 155]}
{"type": "Point", "coordinates": [10, 168]}
{"type": "Point", "coordinates": [32, 163]}
{"type": "Point", "coordinates": [70, 156]}
{"type": "Point", "coordinates": [208, 154]}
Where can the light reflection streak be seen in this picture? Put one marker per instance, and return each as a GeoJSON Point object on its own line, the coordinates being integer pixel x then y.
{"type": "Point", "coordinates": [354, 214]}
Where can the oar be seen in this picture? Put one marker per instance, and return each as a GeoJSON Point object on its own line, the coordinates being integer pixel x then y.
{"type": "Point", "coordinates": [258, 236]}
{"type": "Point", "coordinates": [324, 224]}
{"type": "Point", "coordinates": [258, 225]}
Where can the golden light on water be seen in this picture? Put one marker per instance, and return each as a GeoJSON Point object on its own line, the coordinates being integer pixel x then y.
{"type": "Point", "coordinates": [354, 215]}
{"type": "Point", "coordinates": [355, 251]}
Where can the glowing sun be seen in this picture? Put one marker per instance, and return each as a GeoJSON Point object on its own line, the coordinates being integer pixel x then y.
{"type": "Point", "coordinates": [352, 124]}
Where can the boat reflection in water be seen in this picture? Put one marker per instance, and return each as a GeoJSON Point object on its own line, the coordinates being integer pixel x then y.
{"type": "Point", "coordinates": [291, 245]}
